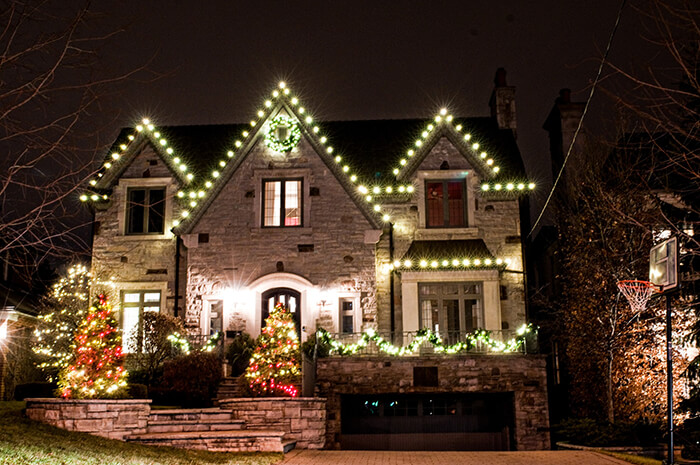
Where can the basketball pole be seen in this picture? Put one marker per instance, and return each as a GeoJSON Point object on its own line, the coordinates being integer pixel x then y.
{"type": "Point", "coordinates": [669, 378]}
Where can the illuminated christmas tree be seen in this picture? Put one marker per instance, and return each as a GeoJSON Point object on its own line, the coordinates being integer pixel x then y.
{"type": "Point", "coordinates": [274, 366]}
{"type": "Point", "coordinates": [96, 371]}
{"type": "Point", "coordinates": [61, 312]}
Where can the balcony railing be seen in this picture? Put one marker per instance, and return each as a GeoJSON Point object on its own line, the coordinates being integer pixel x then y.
{"type": "Point", "coordinates": [422, 342]}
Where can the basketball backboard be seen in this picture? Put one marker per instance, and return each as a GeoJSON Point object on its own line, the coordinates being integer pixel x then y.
{"type": "Point", "coordinates": [663, 264]}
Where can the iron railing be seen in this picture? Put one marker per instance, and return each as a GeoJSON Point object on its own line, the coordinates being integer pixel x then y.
{"type": "Point", "coordinates": [199, 341]}
{"type": "Point", "coordinates": [447, 342]}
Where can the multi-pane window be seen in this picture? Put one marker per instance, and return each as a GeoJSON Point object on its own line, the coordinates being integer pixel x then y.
{"type": "Point", "coordinates": [445, 204]}
{"type": "Point", "coordinates": [282, 202]}
{"type": "Point", "coordinates": [145, 211]}
{"type": "Point", "coordinates": [451, 309]}
{"type": "Point", "coordinates": [347, 316]}
{"type": "Point", "coordinates": [134, 304]}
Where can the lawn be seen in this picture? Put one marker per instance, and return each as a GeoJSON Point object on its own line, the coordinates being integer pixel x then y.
{"type": "Point", "coordinates": [635, 459]}
{"type": "Point", "coordinates": [24, 442]}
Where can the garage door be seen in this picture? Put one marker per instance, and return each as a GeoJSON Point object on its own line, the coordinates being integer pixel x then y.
{"type": "Point", "coordinates": [480, 421]}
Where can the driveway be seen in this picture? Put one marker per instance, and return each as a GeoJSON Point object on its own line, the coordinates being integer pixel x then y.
{"type": "Point", "coordinates": [325, 457]}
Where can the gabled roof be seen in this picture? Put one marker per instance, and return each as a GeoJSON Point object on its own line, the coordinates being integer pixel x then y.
{"type": "Point", "coordinates": [365, 156]}
{"type": "Point", "coordinates": [283, 103]}
{"type": "Point", "coordinates": [128, 146]}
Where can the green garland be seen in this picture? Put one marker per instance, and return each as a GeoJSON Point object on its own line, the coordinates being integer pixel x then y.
{"type": "Point", "coordinates": [478, 337]}
{"type": "Point", "coordinates": [183, 344]}
{"type": "Point", "coordinates": [293, 136]}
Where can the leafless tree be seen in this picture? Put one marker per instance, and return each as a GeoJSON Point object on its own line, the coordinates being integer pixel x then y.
{"type": "Point", "coordinates": [661, 101]}
{"type": "Point", "coordinates": [53, 81]}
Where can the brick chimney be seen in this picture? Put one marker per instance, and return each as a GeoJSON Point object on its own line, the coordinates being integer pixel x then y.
{"type": "Point", "coordinates": [502, 102]}
{"type": "Point", "coordinates": [561, 125]}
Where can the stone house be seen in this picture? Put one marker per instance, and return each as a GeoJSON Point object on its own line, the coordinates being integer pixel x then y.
{"type": "Point", "coordinates": [390, 225]}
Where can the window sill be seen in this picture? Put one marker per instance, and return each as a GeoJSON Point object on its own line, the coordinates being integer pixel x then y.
{"type": "Point", "coordinates": [143, 237]}
{"type": "Point", "coordinates": [282, 230]}
{"type": "Point", "coordinates": [447, 233]}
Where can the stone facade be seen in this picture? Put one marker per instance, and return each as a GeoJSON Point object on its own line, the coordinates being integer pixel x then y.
{"type": "Point", "coordinates": [301, 419]}
{"type": "Point", "coordinates": [524, 376]}
{"type": "Point", "coordinates": [137, 262]}
{"type": "Point", "coordinates": [494, 221]}
{"type": "Point", "coordinates": [328, 255]}
{"type": "Point", "coordinates": [114, 419]}
{"type": "Point", "coordinates": [341, 260]}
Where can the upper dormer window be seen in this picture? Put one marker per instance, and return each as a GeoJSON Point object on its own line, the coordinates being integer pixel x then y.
{"type": "Point", "coordinates": [282, 202]}
{"type": "Point", "coordinates": [445, 203]}
{"type": "Point", "coordinates": [145, 210]}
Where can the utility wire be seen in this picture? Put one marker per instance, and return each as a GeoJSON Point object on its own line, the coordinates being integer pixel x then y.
{"type": "Point", "coordinates": [583, 115]}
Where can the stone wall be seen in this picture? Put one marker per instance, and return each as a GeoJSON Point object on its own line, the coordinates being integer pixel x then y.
{"type": "Point", "coordinates": [330, 250]}
{"type": "Point", "coordinates": [145, 261]}
{"type": "Point", "coordinates": [114, 419]}
{"type": "Point", "coordinates": [524, 376]}
{"type": "Point", "coordinates": [302, 418]}
{"type": "Point", "coordinates": [496, 221]}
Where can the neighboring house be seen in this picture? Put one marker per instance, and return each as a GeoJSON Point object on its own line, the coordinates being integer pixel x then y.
{"type": "Point", "coordinates": [390, 225]}
{"type": "Point", "coordinates": [18, 319]}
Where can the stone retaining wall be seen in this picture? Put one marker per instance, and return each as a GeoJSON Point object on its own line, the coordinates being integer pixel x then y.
{"type": "Point", "coordinates": [302, 418]}
{"type": "Point", "coordinates": [114, 419]}
{"type": "Point", "coordinates": [522, 375]}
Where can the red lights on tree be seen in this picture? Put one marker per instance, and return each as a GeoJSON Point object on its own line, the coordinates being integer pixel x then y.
{"type": "Point", "coordinates": [274, 366]}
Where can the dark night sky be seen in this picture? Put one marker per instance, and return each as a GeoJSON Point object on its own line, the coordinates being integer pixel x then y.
{"type": "Point", "coordinates": [366, 59]}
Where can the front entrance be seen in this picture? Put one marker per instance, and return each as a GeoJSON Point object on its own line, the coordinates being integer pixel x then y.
{"type": "Point", "coordinates": [290, 298]}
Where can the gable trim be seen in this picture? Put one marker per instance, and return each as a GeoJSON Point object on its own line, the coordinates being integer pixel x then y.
{"type": "Point", "coordinates": [291, 105]}
{"type": "Point", "coordinates": [482, 163]}
{"type": "Point", "coordinates": [118, 161]}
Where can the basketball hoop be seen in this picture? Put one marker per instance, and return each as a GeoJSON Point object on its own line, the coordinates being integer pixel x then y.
{"type": "Point", "coordinates": [637, 292]}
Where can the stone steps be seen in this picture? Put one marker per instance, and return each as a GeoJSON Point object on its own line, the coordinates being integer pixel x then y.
{"type": "Point", "coordinates": [176, 426]}
{"type": "Point", "coordinates": [219, 441]}
{"type": "Point", "coordinates": [197, 414]}
{"type": "Point", "coordinates": [229, 388]}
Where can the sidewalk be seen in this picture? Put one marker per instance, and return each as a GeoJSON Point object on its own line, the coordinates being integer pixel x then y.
{"type": "Point", "coordinates": [565, 457]}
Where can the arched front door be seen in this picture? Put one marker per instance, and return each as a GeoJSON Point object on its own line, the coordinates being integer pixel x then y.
{"type": "Point", "coordinates": [290, 298]}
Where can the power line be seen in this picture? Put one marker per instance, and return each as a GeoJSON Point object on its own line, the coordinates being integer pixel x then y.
{"type": "Point", "coordinates": [583, 115]}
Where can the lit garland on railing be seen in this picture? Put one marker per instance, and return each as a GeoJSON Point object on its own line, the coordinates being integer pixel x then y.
{"type": "Point", "coordinates": [477, 338]}
{"type": "Point", "coordinates": [178, 340]}
{"type": "Point", "coordinates": [212, 342]}
{"type": "Point", "coordinates": [181, 342]}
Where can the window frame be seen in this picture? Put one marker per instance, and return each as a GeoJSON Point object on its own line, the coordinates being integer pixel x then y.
{"type": "Point", "coordinates": [147, 210]}
{"type": "Point", "coordinates": [445, 202]}
{"type": "Point", "coordinates": [282, 180]}
{"type": "Point", "coordinates": [141, 305]}
{"type": "Point", "coordinates": [461, 297]}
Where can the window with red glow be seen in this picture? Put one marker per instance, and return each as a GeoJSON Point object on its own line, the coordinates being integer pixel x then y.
{"type": "Point", "coordinates": [445, 201]}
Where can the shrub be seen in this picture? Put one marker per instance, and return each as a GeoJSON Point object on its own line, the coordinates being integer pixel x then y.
{"type": "Point", "coordinates": [322, 351]}
{"type": "Point", "coordinates": [190, 380]}
{"type": "Point", "coordinates": [589, 432]}
{"type": "Point", "coordinates": [689, 438]}
{"type": "Point", "coordinates": [137, 391]}
{"type": "Point", "coordinates": [28, 390]}
{"type": "Point", "coordinates": [238, 353]}
{"type": "Point", "coordinates": [145, 365]}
